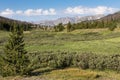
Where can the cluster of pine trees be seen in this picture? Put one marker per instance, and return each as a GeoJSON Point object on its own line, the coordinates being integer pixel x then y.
{"type": "Point", "coordinates": [7, 25]}
{"type": "Point", "coordinates": [96, 24]}
{"type": "Point", "coordinates": [59, 27]}
{"type": "Point", "coordinates": [93, 24]}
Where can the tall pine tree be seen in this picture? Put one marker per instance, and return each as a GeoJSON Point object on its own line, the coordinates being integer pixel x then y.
{"type": "Point", "coordinates": [69, 26]}
{"type": "Point", "coordinates": [15, 60]}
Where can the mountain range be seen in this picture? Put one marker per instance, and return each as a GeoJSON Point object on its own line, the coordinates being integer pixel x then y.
{"type": "Point", "coordinates": [65, 20]}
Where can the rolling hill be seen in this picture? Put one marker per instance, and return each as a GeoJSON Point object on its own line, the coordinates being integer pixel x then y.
{"type": "Point", "coordinates": [6, 23]}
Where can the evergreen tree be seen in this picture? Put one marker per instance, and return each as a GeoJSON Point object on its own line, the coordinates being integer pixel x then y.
{"type": "Point", "coordinates": [15, 59]}
{"type": "Point", "coordinates": [69, 26]}
{"type": "Point", "coordinates": [60, 27]}
{"type": "Point", "coordinates": [112, 25]}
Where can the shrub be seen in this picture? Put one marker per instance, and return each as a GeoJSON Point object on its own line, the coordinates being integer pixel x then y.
{"type": "Point", "coordinates": [82, 60]}
{"type": "Point", "coordinates": [112, 62]}
{"type": "Point", "coordinates": [62, 60]}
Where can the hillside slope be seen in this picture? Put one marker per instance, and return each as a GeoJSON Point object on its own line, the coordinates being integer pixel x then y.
{"type": "Point", "coordinates": [6, 23]}
{"type": "Point", "coordinates": [114, 16]}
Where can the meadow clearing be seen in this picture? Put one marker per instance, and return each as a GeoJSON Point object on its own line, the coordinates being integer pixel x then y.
{"type": "Point", "coordinates": [98, 41]}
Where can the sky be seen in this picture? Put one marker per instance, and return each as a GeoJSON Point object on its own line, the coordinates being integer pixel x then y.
{"type": "Point", "coordinates": [36, 10]}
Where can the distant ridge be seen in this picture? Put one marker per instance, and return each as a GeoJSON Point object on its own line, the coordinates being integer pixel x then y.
{"type": "Point", "coordinates": [7, 23]}
{"type": "Point", "coordinates": [114, 16]}
{"type": "Point", "coordinates": [8, 20]}
{"type": "Point", "coordinates": [65, 20]}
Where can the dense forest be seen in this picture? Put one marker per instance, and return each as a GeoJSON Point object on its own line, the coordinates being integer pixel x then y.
{"type": "Point", "coordinates": [7, 24]}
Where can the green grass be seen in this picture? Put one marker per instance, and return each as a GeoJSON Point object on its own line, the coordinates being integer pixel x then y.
{"type": "Point", "coordinates": [99, 41]}
{"type": "Point", "coordinates": [96, 46]}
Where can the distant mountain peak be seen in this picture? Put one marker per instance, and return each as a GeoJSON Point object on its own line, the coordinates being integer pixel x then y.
{"type": "Point", "coordinates": [65, 20]}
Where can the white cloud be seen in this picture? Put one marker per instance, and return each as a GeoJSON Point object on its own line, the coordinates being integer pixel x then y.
{"type": "Point", "coordinates": [45, 12]}
{"type": "Point", "coordinates": [19, 12]}
{"type": "Point", "coordinates": [28, 12]}
{"type": "Point", "coordinates": [32, 12]}
{"type": "Point", "coordinates": [87, 10]}
{"type": "Point", "coordinates": [51, 11]}
{"type": "Point", "coordinates": [7, 12]}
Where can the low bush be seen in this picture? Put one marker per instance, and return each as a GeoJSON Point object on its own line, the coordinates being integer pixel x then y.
{"type": "Point", "coordinates": [81, 60]}
{"type": "Point", "coordinates": [60, 60]}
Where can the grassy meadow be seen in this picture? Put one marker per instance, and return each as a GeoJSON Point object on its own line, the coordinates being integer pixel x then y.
{"type": "Point", "coordinates": [98, 41]}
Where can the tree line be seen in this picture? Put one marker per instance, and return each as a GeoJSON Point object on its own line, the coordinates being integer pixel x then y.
{"type": "Point", "coordinates": [93, 24]}
{"type": "Point", "coordinates": [8, 25]}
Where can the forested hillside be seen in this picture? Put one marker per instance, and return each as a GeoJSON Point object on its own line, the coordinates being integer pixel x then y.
{"type": "Point", "coordinates": [6, 24]}
{"type": "Point", "coordinates": [110, 21]}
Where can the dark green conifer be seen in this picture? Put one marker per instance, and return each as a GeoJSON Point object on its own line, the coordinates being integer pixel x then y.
{"type": "Point", "coordinates": [69, 26]}
{"type": "Point", "coordinates": [15, 59]}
